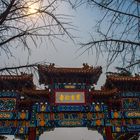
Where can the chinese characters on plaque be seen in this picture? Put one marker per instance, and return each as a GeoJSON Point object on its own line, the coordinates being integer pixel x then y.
{"type": "Point", "coordinates": [69, 97]}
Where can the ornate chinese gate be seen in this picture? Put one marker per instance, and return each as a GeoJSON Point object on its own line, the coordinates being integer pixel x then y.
{"type": "Point", "coordinates": [69, 100]}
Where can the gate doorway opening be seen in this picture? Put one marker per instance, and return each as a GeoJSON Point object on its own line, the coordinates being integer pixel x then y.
{"type": "Point", "coordinates": [71, 134]}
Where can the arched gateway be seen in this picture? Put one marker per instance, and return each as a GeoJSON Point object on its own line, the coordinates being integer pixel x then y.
{"type": "Point", "coordinates": [69, 100]}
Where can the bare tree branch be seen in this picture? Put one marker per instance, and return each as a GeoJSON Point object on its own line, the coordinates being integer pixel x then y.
{"type": "Point", "coordinates": [24, 20]}
{"type": "Point", "coordinates": [117, 31]}
{"type": "Point", "coordinates": [112, 40]}
{"type": "Point", "coordinates": [115, 11]}
{"type": "Point", "coordinates": [18, 67]}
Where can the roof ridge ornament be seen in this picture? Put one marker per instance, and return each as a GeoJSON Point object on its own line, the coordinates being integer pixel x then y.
{"type": "Point", "coordinates": [86, 66]}
{"type": "Point", "coordinates": [51, 66]}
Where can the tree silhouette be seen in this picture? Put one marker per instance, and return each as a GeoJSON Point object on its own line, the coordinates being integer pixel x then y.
{"type": "Point", "coordinates": [117, 31]}
{"type": "Point", "coordinates": [26, 21]}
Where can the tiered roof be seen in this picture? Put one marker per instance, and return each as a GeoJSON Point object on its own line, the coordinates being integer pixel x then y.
{"type": "Point", "coordinates": [49, 74]}
{"type": "Point", "coordinates": [123, 78]}
{"type": "Point", "coordinates": [123, 83]}
{"type": "Point", "coordinates": [105, 92]}
{"type": "Point", "coordinates": [16, 82]}
{"type": "Point", "coordinates": [62, 74]}
{"type": "Point", "coordinates": [36, 93]}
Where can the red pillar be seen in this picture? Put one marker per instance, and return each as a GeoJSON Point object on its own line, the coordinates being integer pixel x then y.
{"type": "Point", "coordinates": [108, 133]}
{"type": "Point", "coordinates": [32, 133]}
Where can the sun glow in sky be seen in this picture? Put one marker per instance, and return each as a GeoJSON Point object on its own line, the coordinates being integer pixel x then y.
{"type": "Point", "coordinates": [33, 7]}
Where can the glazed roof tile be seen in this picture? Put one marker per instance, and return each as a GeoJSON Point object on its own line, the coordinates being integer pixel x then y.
{"type": "Point", "coordinates": [123, 78]}
{"type": "Point", "coordinates": [16, 77]}
{"type": "Point", "coordinates": [86, 69]}
{"type": "Point", "coordinates": [106, 92]}
{"type": "Point", "coordinates": [35, 92]}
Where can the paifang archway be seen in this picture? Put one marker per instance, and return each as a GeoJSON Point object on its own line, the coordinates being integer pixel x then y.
{"type": "Point", "coordinates": [69, 100]}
